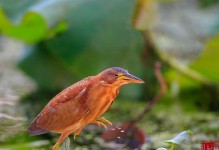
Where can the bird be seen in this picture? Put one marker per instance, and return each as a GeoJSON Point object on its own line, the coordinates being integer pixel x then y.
{"type": "Point", "coordinates": [81, 104]}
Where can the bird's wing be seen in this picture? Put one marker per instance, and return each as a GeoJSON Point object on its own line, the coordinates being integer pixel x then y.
{"type": "Point", "coordinates": [65, 109]}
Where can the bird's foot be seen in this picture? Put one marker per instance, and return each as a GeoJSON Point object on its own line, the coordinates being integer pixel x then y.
{"type": "Point", "coordinates": [100, 124]}
{"type": "Point", "coordinates": [78, 132]}
{"type": "Point", "coordinates": [55, 147]}
{"type": "Point", "coordinates": [104, 120]}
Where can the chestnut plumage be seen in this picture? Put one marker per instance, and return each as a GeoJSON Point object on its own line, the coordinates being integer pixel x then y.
{"type": "Point", "coordinates": [81, 104]}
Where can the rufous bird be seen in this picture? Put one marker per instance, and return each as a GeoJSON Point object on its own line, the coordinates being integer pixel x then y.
{"type": "Point", "coordinates": [81, 104]}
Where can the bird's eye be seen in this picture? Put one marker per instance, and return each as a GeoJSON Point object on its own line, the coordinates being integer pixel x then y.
{"type": "Point", "coordinates": [116, 75]}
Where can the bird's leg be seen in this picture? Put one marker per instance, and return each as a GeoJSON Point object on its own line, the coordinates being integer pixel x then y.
{"type": "Point", "coordinates": [104, 120]}
{"type": "Point", "coordinates": [100, 124]}
{"type": "Point", "coordinates": [63, 136]}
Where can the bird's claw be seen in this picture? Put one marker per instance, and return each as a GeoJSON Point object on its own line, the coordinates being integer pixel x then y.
{"type": "Point", "coordinates": [105, 120]}
{"type": "Point", "coordinates": [100, 124]}
{"type": "Point", "coordinates": [77, 133]}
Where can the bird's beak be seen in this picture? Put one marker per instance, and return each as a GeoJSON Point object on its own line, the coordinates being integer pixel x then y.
{"type": "Point", "coordinates": [131, 78]}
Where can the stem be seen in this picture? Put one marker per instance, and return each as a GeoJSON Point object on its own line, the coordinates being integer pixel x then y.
{"type": "Point", "coordinates": [171, 146]}
{"type": "Point", "coordinates": [162, 91]}
{"type": "Point", "coordinates": [184, 69]}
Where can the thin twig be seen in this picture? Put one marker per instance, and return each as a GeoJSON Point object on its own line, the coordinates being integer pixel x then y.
{"type": "Point", "coordinates": [162, 91]}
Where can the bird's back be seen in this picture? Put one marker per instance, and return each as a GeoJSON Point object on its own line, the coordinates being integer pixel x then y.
{"type": "Point", "coordinates": [65, 109]}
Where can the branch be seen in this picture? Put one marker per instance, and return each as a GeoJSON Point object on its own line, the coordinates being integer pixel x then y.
{"type": "Point", "coordinates": [162, 91]}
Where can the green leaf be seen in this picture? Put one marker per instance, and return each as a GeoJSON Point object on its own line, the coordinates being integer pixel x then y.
{"type": "Point", "coordinates": [208, 3]}
{"type": "Point", "coordinates": [31, 29]}
{"type": "Point", "coordinates": [207, 63]}
{"type": "Point", "coordinates": [58, 29]}
{"type": "Point", "coordinates": [179, 138]}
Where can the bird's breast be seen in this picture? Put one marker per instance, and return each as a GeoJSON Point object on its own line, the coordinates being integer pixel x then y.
{"type": "Point", "coordinates": [100, 96]}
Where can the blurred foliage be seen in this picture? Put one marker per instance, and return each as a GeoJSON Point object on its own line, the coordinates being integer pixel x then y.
{"type": "Point", "coordinates": [89, 36]}
{"type": "Point", "coordinates": [71, 40]}
{"type": "Point", "coordinates": [12, 7]}
{"type": "Point", "coordinates": [177, 37]}
{"type": "Point", "coordinates": [207, 63]}
{"type": "Point", "coordinates": [24, 142]}
{"type": "Point", "coordinates": [98, 37]}
{"type": "Point", "coordinates": [31, 29]}
{"type": "Point", "coordinates": [93, 42]}
{"type": "Point", "coordinates": [208, 3]}
{"type": "Point", "coordinates": [156, 125]}
{"type": "Point", "coordinates": [58, 29]}
{"type": "Point", "coordinates": [144, 15]}
{"type": "Point", "coordinates": [46, 69]}
{"type": "Point", "coordinates": [92, 39]}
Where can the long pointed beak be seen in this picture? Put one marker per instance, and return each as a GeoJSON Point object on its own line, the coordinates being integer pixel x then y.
{"type": "Point", "coordinates": [133, 78]}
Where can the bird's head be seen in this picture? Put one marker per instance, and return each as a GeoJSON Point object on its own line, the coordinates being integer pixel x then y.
{"type": "Point", "coordinates": [117, 76]}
